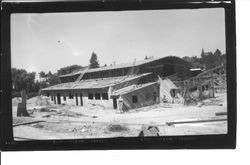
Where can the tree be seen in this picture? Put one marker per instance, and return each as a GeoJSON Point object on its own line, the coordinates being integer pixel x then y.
{"type": "Point", "coordinates": [29, 81]}
{"type": "Point", "coordinates": [186, 58]}
{"type": "Point", "coordinates": [211, 60]}
{"type": "Point", "coordinates": [53, 79]}
{"type": "Point", "coordinates": [146, 57]}
{"type": "Point", "coordinates": [202, 53]}
{"type": "Point", "coordinates": [69, 69]}
{"type": "Point", "coordinates": [194, 61]}
{"type": "Point", "coordinates": [17, 76]}
{"type": "Point", "coordinates": [48, 74]}
{"type": "Point", "coordinates": [223, 58]}
{"type": "Point", "coordinates": [217, 53]}
{"type": "Point", "coordinates": [22, 80]}
{"type": "Point", "coordinates": [42, 74]}
{"type": "Point", "coordinates": [207, 60]}
{"type": "Point", "coordinates": [93, 61]}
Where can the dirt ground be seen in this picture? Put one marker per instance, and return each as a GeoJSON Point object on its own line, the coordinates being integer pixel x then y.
{"type": "Point", "coordinates": [74, 122]}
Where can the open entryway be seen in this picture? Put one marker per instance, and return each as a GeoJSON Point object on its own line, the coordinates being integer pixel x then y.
{"type": "Point", "coordinates": [115, 103]}
{"type": "Point", "coordinates": [58, 98]}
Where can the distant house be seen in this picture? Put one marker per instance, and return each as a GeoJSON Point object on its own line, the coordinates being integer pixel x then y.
{"type": "Point", "coordinates": [123, 87]}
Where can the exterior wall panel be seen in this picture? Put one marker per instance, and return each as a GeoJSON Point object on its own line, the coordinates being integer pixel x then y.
{"type": "Point", "coordinates": [146, 96]}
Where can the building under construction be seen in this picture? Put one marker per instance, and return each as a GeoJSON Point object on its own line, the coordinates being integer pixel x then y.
{"type": "Point", "coordinates": [137, 84]}
{"type": "Point", "coordinates": [122, 87]}
{"type": "Point", "coordinates": [203, 85]}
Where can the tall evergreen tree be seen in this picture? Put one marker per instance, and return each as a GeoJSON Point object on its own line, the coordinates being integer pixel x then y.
{"type": "Point", "coordinates": [202, 53]}
{"type": "Point", "coordinates": [93, 61]}
{"type": "Point", "coordinates": [42, 74]}
{"type": "Point", "coordinates": [217, 53]}
{"type": "Point", "coordinates": [53, 79]}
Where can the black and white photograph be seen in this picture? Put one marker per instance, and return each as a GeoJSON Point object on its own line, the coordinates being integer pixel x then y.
{"type": "Point", "coordinates": [108, 74]}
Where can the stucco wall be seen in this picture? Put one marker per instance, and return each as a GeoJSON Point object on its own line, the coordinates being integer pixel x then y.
{"type": "Point", "coordinates": [145, 97]}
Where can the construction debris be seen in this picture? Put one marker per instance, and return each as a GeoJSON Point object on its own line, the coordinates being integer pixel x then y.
{"type": "Point", "coordinates": [117, 128]}
{"type": "Point", "coordinates": [149, 131]}
{"type": "Point", "coordinates": [221, 114]}
{"type": "Point", "coordinates": [27, 123]}
{"type": "Point", "coordinates": [194, 121]}
{"type": "Point", "coordinates": [203, 86]}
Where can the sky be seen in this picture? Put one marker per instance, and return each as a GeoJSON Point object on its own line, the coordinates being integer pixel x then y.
{"type": "Point", "coordinates": [50, 41]}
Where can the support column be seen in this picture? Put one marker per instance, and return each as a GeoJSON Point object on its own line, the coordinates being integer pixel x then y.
{"type": "Point", "coordinates": [81, 99]}
{"type": "Point", "coordinates": [212, 85]}
{"type": "Point", "coordinates": [76, 99]}
{"type": "Point", "coordinates": [54, 99]}
{"type": "Point", "coordinates": [200, 89]}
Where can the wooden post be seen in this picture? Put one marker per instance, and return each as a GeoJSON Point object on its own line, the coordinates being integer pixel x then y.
{"type": "Point", "coordinates": [81, 99]}
{"type": "Point", "coordinates": [76, 99]}
{"type": "Point", "coordinates": [24, 97]}
{"type": "Point", "coordinates": [54, 99]}
{"type": "Point", "coordinates": [200, 89]}
{"type": "Point", "coordinates": [21, 107]}
{"type": "Point", "coordinates": [212, 84]}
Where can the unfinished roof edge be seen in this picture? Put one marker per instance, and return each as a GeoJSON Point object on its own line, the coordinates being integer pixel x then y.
{"type": "Point", "coordinates": [73, 85]}
{"type": "Point", "coordinates": [125, 65]}
{"type": "Point", "coordinates": [73, 73]}
{"type": "Point", "coordinates": [118, 93]}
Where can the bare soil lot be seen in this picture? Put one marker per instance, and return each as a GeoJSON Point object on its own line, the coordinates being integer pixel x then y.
{"type": "Point", "coordinates": [92, 121]}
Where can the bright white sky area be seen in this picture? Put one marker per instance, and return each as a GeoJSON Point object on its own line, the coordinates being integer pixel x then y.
{"type": "Point", "coordinates": [49, 41]}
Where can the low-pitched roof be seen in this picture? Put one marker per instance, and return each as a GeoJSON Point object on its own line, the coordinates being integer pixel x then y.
{"type": "Point", "coordinates": [131, 88]}
{"type": "Point", "coordinates": [125, 65]}
{"type": "Point", "coordinates": [94, 83]}
{"type": "Point", "coordinates": [169, 84]}
{"type": "Point", "coordinates": [74, 73]}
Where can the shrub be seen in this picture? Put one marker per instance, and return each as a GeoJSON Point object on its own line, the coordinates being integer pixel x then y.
{"type": "Point", "coordinates": [117, 128]}
{"type": "Point", "coordinates": [16, 94]}
{"type": "Point", "coordinates": [32, 94]}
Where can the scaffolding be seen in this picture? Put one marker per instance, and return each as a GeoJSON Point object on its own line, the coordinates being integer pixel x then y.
{"type": "Point", "coordinates": [204, 85]}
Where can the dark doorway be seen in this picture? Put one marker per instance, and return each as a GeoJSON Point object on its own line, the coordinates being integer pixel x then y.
{"type": "Point", "coordinates": [115, 103]}
{"type": "Point", "coordinates": [81, 99]}
{"type": "Point", "coordinates": [58, 98]}
{"type": "Point", "coordinates": [134, 99]}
